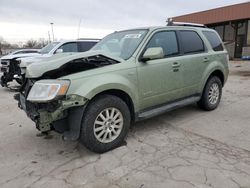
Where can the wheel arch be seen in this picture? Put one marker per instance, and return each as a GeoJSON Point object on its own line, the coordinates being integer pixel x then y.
{"type": "Point", "coordinates": [219, 74]}
{"type": "Point", "coordinates": [122, 95]}
{"type": "Point", "coordinates": [215, 72]}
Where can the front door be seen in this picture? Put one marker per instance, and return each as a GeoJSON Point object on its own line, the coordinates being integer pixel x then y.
{"type": "Point", "coordinates": [239, 45]}
{"type": "Point", "coordinates": [160, 80]}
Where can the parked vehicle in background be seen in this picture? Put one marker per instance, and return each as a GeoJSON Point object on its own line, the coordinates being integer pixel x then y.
{"type": "Point", "coordinates": [9, 64]}
{"type": "Point", "coordinates": [128, 76]}
{"type": "Point", "coordinates": [23, 51]}
{"type": "Point", "coordinates": [14, 69]}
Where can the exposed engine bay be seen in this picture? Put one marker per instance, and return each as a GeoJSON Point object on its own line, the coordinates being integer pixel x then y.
{"type": "Point", "coordinates": [79, 65]}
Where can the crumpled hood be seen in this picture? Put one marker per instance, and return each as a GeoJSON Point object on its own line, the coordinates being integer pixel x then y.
{"type": "Point", "coordinates": [36, 70]}
{"type": "Point", "coordinates": [7, 57]}
{"type": "Point", "coordinates": [29, 60]}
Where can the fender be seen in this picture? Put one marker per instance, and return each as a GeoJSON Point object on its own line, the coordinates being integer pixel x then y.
{"type": "Point", "coordinates": [91, 86]}
{"type": "Point", "coordinates": [213, 66]}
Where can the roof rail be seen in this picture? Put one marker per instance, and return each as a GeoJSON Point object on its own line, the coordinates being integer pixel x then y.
{"type": "Point", "coordinates": [94, 39]}
{"type": "Point", "coordinates": [170, 22]}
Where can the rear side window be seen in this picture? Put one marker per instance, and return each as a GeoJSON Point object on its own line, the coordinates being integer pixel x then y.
{"type": "Point", "coordinates": [28, 52]}
{"type": "Point", "coordinates": [214, 40]}
{"type": "Point", "coordinates": [167, 40]}
{"type": "Point", "coordinates": [25, 52]}
{"type": "Point", "coordinates": [69, 47]}
{"type": "Point", "coordinates": [85, 46]}
{"type": "Point", "coordinates": [191, 42]}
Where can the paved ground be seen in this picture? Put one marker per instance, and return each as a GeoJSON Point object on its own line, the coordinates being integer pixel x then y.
{"type": "Point", "coordinates": [182, 149]}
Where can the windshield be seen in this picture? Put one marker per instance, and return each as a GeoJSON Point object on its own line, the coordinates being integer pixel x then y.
{"type": "Point", "coordinates": [121, 44]}
{"type": "Point", "coordinates": [48, 48]}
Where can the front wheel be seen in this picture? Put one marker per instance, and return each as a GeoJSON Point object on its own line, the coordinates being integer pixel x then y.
{"type": "Point", "coordinates": [211, 94]}
{"type": "Point", "coordinates": [105, 123]}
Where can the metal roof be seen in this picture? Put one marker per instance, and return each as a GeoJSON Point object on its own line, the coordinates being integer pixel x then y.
{"type": "Point", "coordinates": [222, 14]}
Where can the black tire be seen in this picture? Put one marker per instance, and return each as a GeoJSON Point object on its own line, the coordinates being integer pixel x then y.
{"type": "Point", "coordinates": [204, 102]}
{"type": "Point", "coordinates": [94, 108]}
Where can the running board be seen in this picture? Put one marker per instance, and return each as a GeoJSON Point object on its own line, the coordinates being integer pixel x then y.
{"type": "Point", "coordinates": [166, 108]}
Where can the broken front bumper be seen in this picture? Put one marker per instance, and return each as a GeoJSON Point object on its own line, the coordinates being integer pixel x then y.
{"type": "Point", "coordinates": [10, 70]}
{"type": "Point", "coordinates": [63, 116]}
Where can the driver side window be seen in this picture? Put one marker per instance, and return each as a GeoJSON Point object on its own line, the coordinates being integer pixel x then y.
{"type": "Point", "coordinates": [167, 40]}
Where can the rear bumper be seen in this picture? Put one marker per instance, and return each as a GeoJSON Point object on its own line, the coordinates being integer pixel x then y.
{"type": "Point", "coordinates": [63, 116]}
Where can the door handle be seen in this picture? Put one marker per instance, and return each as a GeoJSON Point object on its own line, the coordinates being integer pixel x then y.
{"type": "Point", "coordinates": [206, 59]}
{"type": "Point", "coordinates": [176, 65]}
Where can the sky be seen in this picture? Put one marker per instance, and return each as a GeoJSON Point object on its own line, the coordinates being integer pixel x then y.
{"type": "Point", "coordinates": [21, 20]}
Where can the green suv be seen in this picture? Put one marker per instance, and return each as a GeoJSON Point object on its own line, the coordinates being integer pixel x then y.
{"type": "Point", "coordinates": [128, 76]}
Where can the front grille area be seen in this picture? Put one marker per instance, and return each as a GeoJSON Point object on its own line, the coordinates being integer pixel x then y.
{"type": "Point", "coordinates": [5, 66]}
{"type": "Point", "coordinates": [4, 69]}
{"type": "Point", "coordinates": [12, 65]}
{"type": "Point", "coordinates": [5, 62]}
{"type": "Point", "coordinates": [32, 109]}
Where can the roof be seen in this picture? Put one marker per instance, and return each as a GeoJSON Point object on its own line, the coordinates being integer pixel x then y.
{"type": "Point", "coordinates": [88, 39]}
{"type": "Point", "coordinates": [77, 40]}
{"type": "Point", "coordinates": [177, 27]}
{"type": "Point", "coordinates": [218, 15]}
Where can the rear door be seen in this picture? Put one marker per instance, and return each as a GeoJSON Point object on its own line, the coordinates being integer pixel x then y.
{"type": "Point", "coordinates": [193, 61]}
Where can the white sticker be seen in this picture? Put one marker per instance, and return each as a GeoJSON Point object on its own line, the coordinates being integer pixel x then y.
{"type": "Point", "coordinates": [133, 36]}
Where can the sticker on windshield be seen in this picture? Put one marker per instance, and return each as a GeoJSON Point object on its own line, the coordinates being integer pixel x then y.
{"type": "Point", "coordinates": [132, 36]}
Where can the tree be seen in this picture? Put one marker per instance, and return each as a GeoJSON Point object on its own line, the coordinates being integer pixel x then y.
{"type": "Point", "coordinates": [30, 43]}
{"type": "Point", "coordinates": [3, 45]}
{"type": "Point", "coordinates": [41, 43]}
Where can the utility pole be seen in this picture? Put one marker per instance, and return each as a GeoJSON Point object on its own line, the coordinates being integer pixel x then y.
{"type": "Point", "coordinates": [53, 37]}
{"type": "Point", "coordinates": [49, 36]}
{"type": "Point", "coordinates": [79, 27]}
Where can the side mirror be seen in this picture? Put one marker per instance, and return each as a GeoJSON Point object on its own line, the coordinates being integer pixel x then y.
{"type": "Point", "coordinates": [153, 53]}
{"type": "Point", "coordinates": [59, 51]}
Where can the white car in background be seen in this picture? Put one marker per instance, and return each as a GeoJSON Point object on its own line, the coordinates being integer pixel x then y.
{"type": "Point", "coordinates": [8, 63]}
{"type": "Point", "coordinates": [60, 47]}
{"type": "Point", "coordinates": [15, 69]}
{"type": "Point", "coordinates": [20, 53]}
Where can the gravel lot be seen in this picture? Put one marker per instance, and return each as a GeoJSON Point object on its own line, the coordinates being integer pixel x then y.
{"type": "Point", "coordinates": [181, 149]}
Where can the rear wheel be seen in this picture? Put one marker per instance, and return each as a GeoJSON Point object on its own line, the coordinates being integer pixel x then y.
{"type": "Point", "coordinates": [105, 123]}
{"type": "Point", "coordinates": [211, 94]}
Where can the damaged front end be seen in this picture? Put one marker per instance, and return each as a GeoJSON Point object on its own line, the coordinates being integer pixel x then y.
{"type": "Point", "coordinates": [47, 102]}
{"type": "Point", "coordinates": [11, 71]}
{"type": "Point", "coordinates": [62, 114]}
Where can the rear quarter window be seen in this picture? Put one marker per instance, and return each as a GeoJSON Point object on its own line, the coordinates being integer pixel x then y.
{"type": "Point", "coordinates": [214, 40]}
{"type": "Point", "coordinates": [191, 42]}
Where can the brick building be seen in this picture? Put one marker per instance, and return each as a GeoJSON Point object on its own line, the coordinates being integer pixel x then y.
{"type": "Point", "coordinates": [231, 22]}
